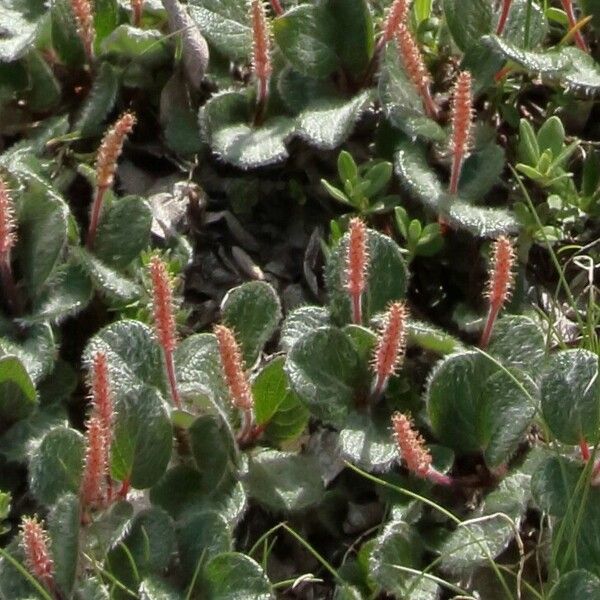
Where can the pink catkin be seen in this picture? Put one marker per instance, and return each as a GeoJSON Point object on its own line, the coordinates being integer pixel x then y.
{"type": "Point", "coordinates": [233, 368]}
{"type": "Point", "coordinates": [35, 545]}
{"type": "Point", "coordinates": [391, 345]}
{"type": "Point", "coordinates": [356, 266]}
{"type": "Point", "coordinates": [396, 16]}
{"type": "Point", "coordinates": [415, 67]}
{"type": "Point", "coordinates": [84, 19]}
{"type": "Point", "coordinates": [261, 55]}
{"type": "Point", "coordinates": [164, 320]}
{"type": "Point", "coordinates": [500, 282]}
{"type": "Point", "coordinates": [8, 234]}
{"type": "Point", "coordinates": [411, 446]}
{"type": "Point", "coordinates": [462, 119]}
{"type": "Point", "coordinates": [93, 485]}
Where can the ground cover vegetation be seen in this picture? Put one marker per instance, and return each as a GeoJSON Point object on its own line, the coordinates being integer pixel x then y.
{"type": "Point", "coordinates": [298, 299]}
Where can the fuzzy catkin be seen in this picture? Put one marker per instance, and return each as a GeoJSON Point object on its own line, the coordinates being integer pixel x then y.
{"type": "Point", "coordinates": [501, 276]}
{"type": "Point", "coordinates": [84, 19]}
{"type": "Point", "coordinates": [8, 234]}
{"type": "Point", "coordinates": [162, 297]}
{"type": "Point", "coordinates": [111, 148]}
{"type": "Point", "coordinates": [396, 16]}
{"type": "Point", "coordinates": [261, 42]}
{"type": "Point", "coordinates": [411, 445]}
{"type": "Point", "coordinates": [391, 342]}
{"type": "Point", "coordinates": [95, 466]}
{"type": "Point", "coordinates": [462, 118]}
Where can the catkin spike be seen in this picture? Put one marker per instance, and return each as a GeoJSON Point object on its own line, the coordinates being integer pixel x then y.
{"type": "Point", "coordinates": [8, 232]}
{"type": "Point", "coordinates": [500, 282]}
{"type": "Point", "coordinates": [356, 266]}
{"type": "Point", "coordinates": [84, 19]}
{"type": "Point", "coordinates": [36, 548]}
{"type": "Point", "coordinates": [93, 492]}
{"type": "Point", "coordinates": [396, 16]}
{"type": "Point", "coordinates": [390, 348]}
{"type": "Point", "coordinates": [462, 118]}
{"type": "Point", "coordinates": [261, 56]}
{"type": "Point", "coordinates": [415, 67]}
{"type": "Point", "coordinates": [164, 320]}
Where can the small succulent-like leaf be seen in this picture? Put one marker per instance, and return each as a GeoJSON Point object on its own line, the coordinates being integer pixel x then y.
{"type": "Point", "coordinates": [56, 465]}
{"type": "Point", "coordinates": [322, 368]}
{"type": "Point", "coordinates": [253, 311]}
{"type": "Point", "coordinates": [570, 391]}
{"type": "Point", "coordinates": [234, 575]}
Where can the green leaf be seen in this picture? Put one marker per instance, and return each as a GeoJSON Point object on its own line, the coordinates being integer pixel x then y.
{"type": "Point", "coordinates": [472, 545]}
{"type": "Point", "coordinates": [66, 293]}
{"type": "Point", "coordinates": [431, 338]}
{"type": "Point", "coordinates": [225, 122]}
{"type": "Point", "coordinates": [181, 492]}
{"type": "Point", "coordinates": [520, 12]}
{"type": "Point", "coordinates": [468, 20]}
{"type": "Point", "coordinates": [233, 575]}
{"type": "Point", "coordinates": [474, 407]}
{"type": "Point", "coordinates": [327, 122]}
{"type": "Point", "coordinates": [225, 24]}
{"type": "Point", "coordinates": [35, 348]}
{"type": "Point", "coordinates": [214, 451]}
{"type": "Point", "coordinates": [56, 465]}
{"type": "Point", "coordinates": [65, 39]}
{"type": "Point", "coordinates": [367, 442]}
{"type": "Point", "coordinates": [106, 280]}
{"type": "Point", "coordinates": [576, 584]}
{"type": "Point", "coordinates": [402, 102]}
{"type": "Point", "coordinates": [387, 277]}
{"type": "Point", "coordinates": [124, 231]}
{"type": "Point", "coordinates": [276, 406]}
{"type": "Point", "coordinates": [92, 589]}
{"type": "Point", "coordinates": [106, 18]}
{"type": "Point", "coordinates": [519, 342]}
{"type": "Point", "coordinates": [304, 35]}
{"type": "Point", "coordinates": [199, 371]}
{"type": "Point", "coordinates": [567, 66]}
{"type": "Point", "coordinates": [134, 356]}
{"type": "Point", "coordinates": [100, 101]}
{"type": "Point", "coordinates": [142, 437]}
{"type": "Point", "coordinates": [481, 171]}
{"type": "Point", "coordinates": [253, 311]}
{"type": "Point", "coordinates": [127, 43]}
{"type": "Point", "coordinates": [551, 136]}
{"type": "Point", "coordinates": [148, 541]}
{"type": "Point", "coordinates": [553, 485]}
{"type": "Point", "coordinates": [153, 588]}
{"type": "Point", "coordinates": [200, 537]}
{"type": "Point", "coordinates": [45, 92]}
{"type": "Point", "coordinates": [18, 397]}
{"type": "Point", "coordinates": [63, 528]}
{"type": "Point", "coordinates": [421, 182]}
{"type": "Point", "coordinates": [42, 235]}
{"type": "Point", "coordinates": [399, 545]}
{"type": "Point", "coordinates": [322, 367]}
{"type": "Point", "coordinates": [300, 321]}
{"type": "Point", "coordinates": [353, 33]}
{"type": "Point", "coordinates": [283, 481]}
{"type": "Point", "coordinates": [570, 392]}
{"type": "Point", "coordinates": [20, 21]}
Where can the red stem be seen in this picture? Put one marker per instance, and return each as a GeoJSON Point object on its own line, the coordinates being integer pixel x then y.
{"type": "Point", "coordinates": [276, 6]}
{"type": "Point", "coordinates": [489, 326]}
{"type": "Point", "coordinates": [122, 493]}
{"type": "Point", "coordinates": [568, 6]}
{"type": "Point", "coordinates": [584, 449]}
{"type": "Point", "coordinates": [503, 16]}
{"type": "Point", "coordinates": [261, 101]}
{"type": "Point", "coordinates": [430, 106]}
{"type": "Point", "coordinates": [357, 309]}
{"type": "Point", "coordinates": [246, 432]}
{"type": "Point", "coordinates": [457, 161]}
{"type": "Point", "coordinates": [137, 14]}
{"type": "Point", "coordinates": [95, 218]}
{"type": "Point", "coordinates": [170, 364]}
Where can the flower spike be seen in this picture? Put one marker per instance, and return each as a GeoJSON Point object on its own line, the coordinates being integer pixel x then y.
{"type": "Point", "coordinates": [390, 348]}
{"type": "Point", "coordinates": [95, 467]}
{"type": "Point", "coordinates": [35, 544]}
{"type": "Point", "coordinates": [261, 56]}
{"type": "Point", "coordinates": [235, 377]}
{"type": "Point", "coordinates": [415, 67]}
{"type": "Point", "coordinates": [84, 18]}
{"type": "Point", "coordinates": [164, 320]}
{"type": "Point", "coordinates": [411, 447]}
{"type": "Point", "coordinates": [356, 266]}
{"type": "Point", "coordinates": [500, 282]}
{"type": "Point", "coordinates": [8, 239]}
{"type": "Point", "coordinates": [396, 16]}
{"type": "Point", "coordinates": [106, 166]}
{"type": "Point", "coordinates": [462, 118]}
